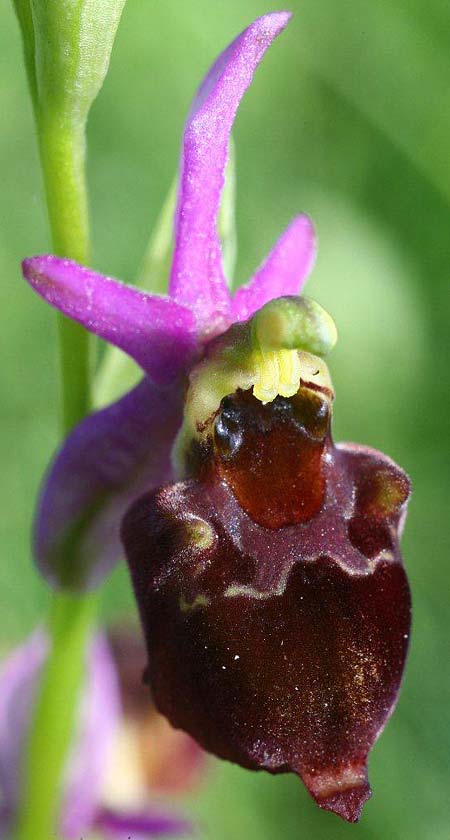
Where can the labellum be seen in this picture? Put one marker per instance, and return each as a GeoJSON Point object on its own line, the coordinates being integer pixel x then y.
{"type": "Point", "coordinates": [269, 580]}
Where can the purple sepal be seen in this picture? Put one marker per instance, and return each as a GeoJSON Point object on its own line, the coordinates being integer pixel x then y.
{"type": "Point", "coordinates": [197, 278]}
{"type": "Point", "coordinates": [158, 333]}
{"type": "Point", "coordinates": [283, 272]}
{"type": "Point", "coordinates": [109, 459]}
{"type": "Point", "coordinates": [154, 823]}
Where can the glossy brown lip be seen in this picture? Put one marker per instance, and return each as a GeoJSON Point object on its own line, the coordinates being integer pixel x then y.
{"type": "Point", "coordinates": [279, 642]}
{"type": "Point", "coordinates": [277, 472]}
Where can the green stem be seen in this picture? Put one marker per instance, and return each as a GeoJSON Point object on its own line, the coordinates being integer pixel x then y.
{"type": "Point", "coordinates": [69, 628]}
{"type": "Point", "coordinates": [71, 616]}
{"type": "Point", "coordinates": [63, 163]}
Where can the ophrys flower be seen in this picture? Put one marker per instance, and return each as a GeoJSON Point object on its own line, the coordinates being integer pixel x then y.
{"type": "Point", "coordinates": [268, 573]}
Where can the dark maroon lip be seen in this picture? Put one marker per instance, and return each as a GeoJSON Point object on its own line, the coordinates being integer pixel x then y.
{"type": "Point", "coordinates": [277, 628]}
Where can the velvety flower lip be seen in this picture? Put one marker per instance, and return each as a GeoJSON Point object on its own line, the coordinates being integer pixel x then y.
{"type": "Point", "coordinates": [114, 454]}
{"type": "Point", "coordinates": [272, 594]}
{"type": "Point", "coordinates": [98, 718]}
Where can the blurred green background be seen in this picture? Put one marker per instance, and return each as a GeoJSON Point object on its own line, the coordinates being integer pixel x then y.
{"type": "Point", "coordinates": [349, 120]}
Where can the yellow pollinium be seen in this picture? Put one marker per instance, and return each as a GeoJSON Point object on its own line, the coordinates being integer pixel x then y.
{"type": "Point", "coordinates": [276, 372]}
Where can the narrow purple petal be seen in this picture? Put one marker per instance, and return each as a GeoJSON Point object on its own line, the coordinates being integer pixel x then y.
{"type": "Point", "coordinates": [156, 332]}
{"type": "Point", "coordinates": [18, 682]}
{"type": "Point", "coordinates": [99, 717]}
{"type": "Point", "coordinates": [197, 278]}
{"type": "Point", "coordinates": [108, 460]}
{"type": "Point", "coordinates": [283, 272]}
{"type": "Point", "coordinates": [146, 824]}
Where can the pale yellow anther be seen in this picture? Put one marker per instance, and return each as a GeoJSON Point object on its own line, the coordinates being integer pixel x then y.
{"type": "Point", "coordinates": [289, 365]}
{"type": "Point", "coordinates": [275, 372]}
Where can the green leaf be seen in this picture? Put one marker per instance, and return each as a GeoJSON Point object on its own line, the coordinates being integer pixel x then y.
{"type": "Point", "coordinates": [67, 48]}
{"type": "Point", "coordinates": [73, 43]}
{"type": "Point", "coordinates": [25, 18]}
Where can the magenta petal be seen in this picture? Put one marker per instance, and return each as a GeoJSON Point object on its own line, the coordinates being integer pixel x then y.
{"type": "Point", "coordinates": [156, 332]}
{"type": "Point", "coordinates": [109, 459]}
{"type": "Point", "coordinates": [283, 272]}
{"type": "Point", "coordinates": [197, 276]}
{"type": "Point", "coordinates": [99, 716]}
{"type": "Point", "coordinates": [146, 824]}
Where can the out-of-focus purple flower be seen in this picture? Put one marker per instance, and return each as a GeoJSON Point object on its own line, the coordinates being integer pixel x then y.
{"type": "Point", "coordinates": [268, 574]}
{"type": "Point", "coordinates": [170, 760]}
{"type": "Point", "coordinates": [98, 719]}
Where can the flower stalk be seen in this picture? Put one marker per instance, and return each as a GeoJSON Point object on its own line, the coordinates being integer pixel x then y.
{"type": "Point", "coordinates": [67, 49]}
{"type": "Point", "coordinates": [63, 167]}
{"type": "Point", "coordinates": [71, 617]}
{"type": "Point", "coordinates": [69, 628]}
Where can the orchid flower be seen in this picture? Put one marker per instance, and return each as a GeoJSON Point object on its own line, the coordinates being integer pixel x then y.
{"type": "Point", "coordinates": [99, 714]}
{"type": "Point", "coordinates": [265, 559]}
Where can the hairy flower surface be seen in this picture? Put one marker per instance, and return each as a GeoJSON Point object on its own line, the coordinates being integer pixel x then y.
{"type": "Point", "coordinates": [98, 719]}
{"type": "Point", "coordinates": [265, 560]}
